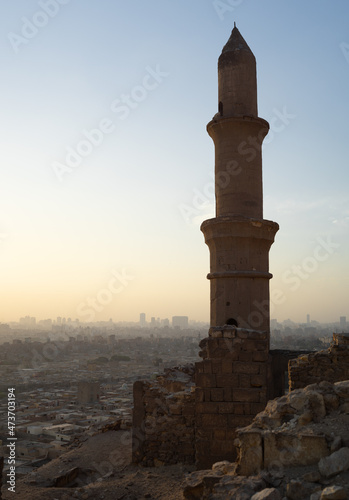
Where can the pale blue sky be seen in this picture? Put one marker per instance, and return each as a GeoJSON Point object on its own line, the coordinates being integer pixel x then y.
{"type": "Point", "coordinates": [136, 201]}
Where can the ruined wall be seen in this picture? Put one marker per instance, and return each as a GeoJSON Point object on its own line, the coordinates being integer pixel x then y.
{"type": "Point", "coordinates": [1, 471]}
{"type": "Point", "coordinates": [231, 388]}
{"type": "Point", "coordinates": [331, 364]}
{"type": "Point", "coordinates": [163, 419]}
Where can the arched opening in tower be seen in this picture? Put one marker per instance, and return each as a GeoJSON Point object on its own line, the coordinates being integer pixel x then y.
{"type": "Point", "coordinates": [232, 321]}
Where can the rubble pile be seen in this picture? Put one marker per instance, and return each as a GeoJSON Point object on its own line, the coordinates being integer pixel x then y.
{"type": "Point", "coordinates": [297, 448]}
{"type": "Point", "coordinates": [331, 364]}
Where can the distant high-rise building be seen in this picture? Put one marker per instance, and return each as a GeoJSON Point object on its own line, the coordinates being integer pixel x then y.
{"type": "Point", "coordinates": [27, 322]}
{"type": "Point", "coordinates": [180, 322]}
{"type": "Point", "coordinates": [153, 322]}
{"type": "Point", "coordinates": [343, 323]}
{"type": "Point", "coordinates": [308, 319]}
{"type": "Point", "coordinates": [142, 320]}
{"type": "Point", "coordinates": [273, 324]}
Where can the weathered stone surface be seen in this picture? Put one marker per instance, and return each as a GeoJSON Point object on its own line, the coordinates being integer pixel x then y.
{"type": "Point", "coordinates": [301, 490]}
{"type": "Point", "coordinates": [342, 389]}
{"type": "Point", "coordinates": [336, 444]}
{"type": "Point", "coordinates": [334, 493]}
{"type": "Point", "coordinates": [329, 366]}
{"type": "Point", "coordinates": [292, 450]}
{"type": "Point", "coordinates": [199, 484]}
{"type": "Point", "coordinates": [316, 404]}
{"type": "Point", "coordinates": [312, 477]}
{"type": "Point", "coordinates": [163, 419]}
{"type": "Point", "coordinates": [224, 467]}
{"type": "Point", "coordinates": [238, 487]}
{"type": "Point", "coordinates": [250, 453]}
{"type": "Point", "coordinates": [335, 463]}
{"type": "Point", "coordinates": [267, 494]}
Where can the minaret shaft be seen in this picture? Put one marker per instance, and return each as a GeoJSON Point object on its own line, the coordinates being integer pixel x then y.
{"type": "Point", "coordinates": [238, 238]}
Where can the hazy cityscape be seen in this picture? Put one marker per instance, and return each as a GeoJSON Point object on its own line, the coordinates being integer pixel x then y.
{"type": "Point", "coordinates": [73, 379]}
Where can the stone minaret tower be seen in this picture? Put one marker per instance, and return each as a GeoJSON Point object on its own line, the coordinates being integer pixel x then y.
{"type": "Point", "coordinates": [238, 237]}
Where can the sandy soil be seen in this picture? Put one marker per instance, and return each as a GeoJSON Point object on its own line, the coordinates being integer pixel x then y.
{"type": "Point", "coordinates": [105, 473]}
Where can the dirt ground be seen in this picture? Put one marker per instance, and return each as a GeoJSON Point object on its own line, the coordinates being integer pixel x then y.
{"type": "Point", "coordinates": [104, 472]}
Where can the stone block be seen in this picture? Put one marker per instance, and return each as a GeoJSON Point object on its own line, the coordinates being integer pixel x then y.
{"type": "Point", "coordinates": [267, 494]}
{"type": "Point", "coordinates": [205, 380]}
{"type": "Point", "coordinates": [217, 365]}
{"type": "Point", "coordinates": [242, 409]}
{"type": "Point", "coordinates": [214, 420]}
{"type": "Point", "coordinates": [227, 366]}
{"type": "Point", "coordinates": [207, 366]}
{"type": "Point", "coordinates": [207, 393]}
{"type": "Point", "coordinates": [248, 368]}
{"type": "Point", "coordinates": [246, 395]}
{"type": "Point", "coordinates": [227, 380]}
{"type": "Point", "coordinates": [260, 356]}
{"type": "Point", "coordinates": [249, 345]}
{"type": "Point", "coordinates": [206, 407]}
{"type": "Point", "coordinates": [199, 395]}
{"type": "Point", "coordinates": [219, 434]}
{"type": "Point", "coordinates": [222, 447]}
{"type": "Point", "coordinates": [228, 394]}
{"type": "Point", "coordinates": [301, 490]}
{"type": "Point", "coordinates": [245, 356]}
{"type": "Point", "coordinates": [290, 450]}
{"type": "Point", "coordinates": [261, 345]}
{"type": "Point", "coordinates": [226, 408]}
{"type": "Point", "coordinates": [335, 463]}
{"type": "Point", "coordinates": [244, 381]}
{"type": "Point", "coordinates": [236, 421]}
{"type": "Point", "coordinates": [250, 453]}
{"type": "Point", "coordinates": [217, 394]}
{"type": "Point", "coordinates": [334, 493]}
{"type": "Point", "coordinates": [258, 381]}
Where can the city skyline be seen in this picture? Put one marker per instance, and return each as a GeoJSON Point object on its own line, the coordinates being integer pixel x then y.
{"type": "Point", "coordinates": [107, 169]}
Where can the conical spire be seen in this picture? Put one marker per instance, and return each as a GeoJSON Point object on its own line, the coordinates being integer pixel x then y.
{"type": "Point", "coordinates": [236, 42]}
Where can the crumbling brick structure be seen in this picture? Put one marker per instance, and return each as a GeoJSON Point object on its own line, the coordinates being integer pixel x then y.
{"type": "Point", "coordinates": [331, 364]}
{"type": "Point", "coordinates": [163, 419]}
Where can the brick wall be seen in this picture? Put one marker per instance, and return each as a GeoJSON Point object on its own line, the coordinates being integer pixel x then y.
{"type": "Point", "coordinates": [331, 364]}
{"type": "Point", "coordinates": [163, 419]}
{"type": "Point", "coordinates": [231, 388]}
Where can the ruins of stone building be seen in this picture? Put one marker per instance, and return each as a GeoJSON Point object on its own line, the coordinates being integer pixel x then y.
{"type": "Point", "coordinates": [239, 374]}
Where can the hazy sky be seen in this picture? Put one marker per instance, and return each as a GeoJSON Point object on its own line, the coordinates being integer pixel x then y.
{"type": "Point", "coordinates": [107, 168]}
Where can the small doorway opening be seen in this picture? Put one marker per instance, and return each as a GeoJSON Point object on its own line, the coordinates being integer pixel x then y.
{"type": "Point", "coordinates": [232, 321]}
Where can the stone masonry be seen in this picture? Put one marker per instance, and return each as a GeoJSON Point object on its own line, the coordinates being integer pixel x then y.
{"type": "Point", "coordinates": [231, 388]}
{"type": "Point", "coordinates": [331, 364]}
{"type": "Point", "coordinates": [163, 419]}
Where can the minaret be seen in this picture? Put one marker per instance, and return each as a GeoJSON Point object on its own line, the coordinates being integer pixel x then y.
{"type": "Point", "coordinates": [238, 237]}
